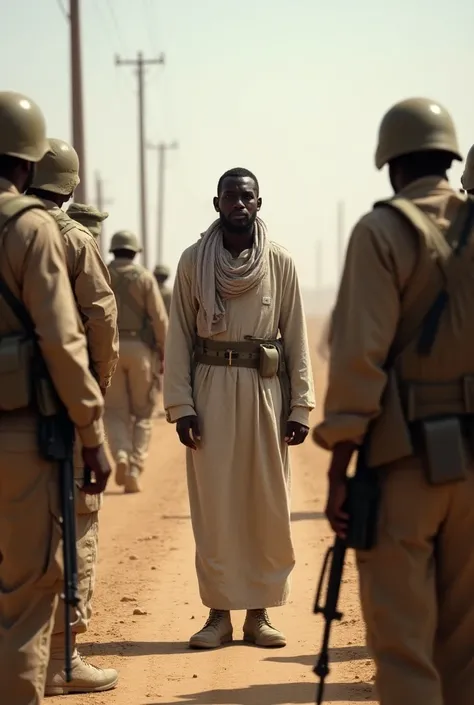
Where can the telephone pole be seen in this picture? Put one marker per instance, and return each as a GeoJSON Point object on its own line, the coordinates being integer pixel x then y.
{"type": "Point", "coordinates": [340, 237]}
{"type": "Point", "coordinates": [319, 265]}
{"type": "Point", "coordinates": [140, 63]}
{"type": "Point", "coordinates": [101, 203]}
{"type": "Point", "coordinates": [78, 140]}
{"type": "Point", "coordinates": [161, 148]}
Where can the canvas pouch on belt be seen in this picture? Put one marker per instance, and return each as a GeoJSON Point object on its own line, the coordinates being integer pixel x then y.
{"type": "Point", "coordinates": [16, 349]}
{"type": "Point", "coordinates": [390, 434]}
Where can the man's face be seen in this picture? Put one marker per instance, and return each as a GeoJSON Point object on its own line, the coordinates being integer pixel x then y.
{"type": "Point", "coordinates": [238, 204]}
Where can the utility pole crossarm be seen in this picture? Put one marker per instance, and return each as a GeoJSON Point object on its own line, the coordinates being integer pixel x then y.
{"type": "Point", "coordinates": [140, 63]}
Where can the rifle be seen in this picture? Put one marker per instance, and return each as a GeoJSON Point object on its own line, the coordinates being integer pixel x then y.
{"type": "Point", "coordinates": [362, 507]}
{"type": "Point", "coordinates": [55, 444]}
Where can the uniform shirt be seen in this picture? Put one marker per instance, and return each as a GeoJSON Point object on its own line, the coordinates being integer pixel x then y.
{"type": "Point", "coordinates": [146, 294]}
{"type": "Point", "coordinates": [90, 281]}
{"type": "Point", "coordinates": [33, 266]}
{"type": "Point", "coordinates": [383, 259]}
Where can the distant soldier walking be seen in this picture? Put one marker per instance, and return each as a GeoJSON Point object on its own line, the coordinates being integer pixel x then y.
{"type": "Point", "coordinates": [143, 324]}
{"type": "Point", "coordinates": [56, 177]}
{"type": "Point", "coordinates": [33, 274]}
{"type": "Point", "coordinates": [162, 274]}
{"type": "Point", "coordinates": [401, 393]}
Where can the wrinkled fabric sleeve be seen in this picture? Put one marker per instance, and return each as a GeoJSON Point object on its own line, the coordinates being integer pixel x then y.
{"type": "Point", "coordinates": [98, 309]}
{"type": "Point", "coordinates": [47, 295]}
{"type": "Point", "coordinates": [178, 392]}
{"type": "Point", "coordinates": [292, 326]}
{"type": "Point", "coordinates": [363, 326]}
{"type": "Point", "coordinates": [156, 311]}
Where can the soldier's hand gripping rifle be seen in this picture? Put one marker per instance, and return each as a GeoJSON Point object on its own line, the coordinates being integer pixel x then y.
{"type": "Point", "coordinates": [362, 506]}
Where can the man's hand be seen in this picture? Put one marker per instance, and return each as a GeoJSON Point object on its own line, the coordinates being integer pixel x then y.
{"type": "Point", "coordinates": [337, 494]}
{"type": "Point", "coordinates": [95, 463]}
{"type": "Point", "coordinates": [335, 513]}
{"type": "Point", "coordinates": [295, 433]}
{"type": "Point", "coordinates": [188, 431]}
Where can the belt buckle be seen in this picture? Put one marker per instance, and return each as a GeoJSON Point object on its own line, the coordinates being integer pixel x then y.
{"type": "Point", "coordinates": [229, 354]}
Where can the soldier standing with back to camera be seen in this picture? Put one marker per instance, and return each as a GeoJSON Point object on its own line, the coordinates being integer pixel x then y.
{"type": "Point", "coordinates": [88, 216]}
{"type": "Point", "coordinates": [56, 177]}
{"type": "Point", "coordinates": [401, 384]}
{"type": "Point", "coordinates": [143, 324]}
{"type": "Point", "coordinates": [33, 272]}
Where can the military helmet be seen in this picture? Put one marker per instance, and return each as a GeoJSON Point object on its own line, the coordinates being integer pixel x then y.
{"type": "Point", "coordinates": [58, 171]}
{"type": "Point", "coordinates": [125, 240]}
{"type": "Point", "coordinates": [89, 216]}
{"type": "Point", "coordinates": [467, 179]}
{"type": "Point", "coordinates": [22, 127]}
{"type": "Point", "coordinates": [415, 125]}
{"type": "Point", "coordinates": [161, 270]}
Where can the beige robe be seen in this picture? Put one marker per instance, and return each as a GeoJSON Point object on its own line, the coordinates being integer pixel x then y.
{"type": "Point", "coordinates": [239, 478]}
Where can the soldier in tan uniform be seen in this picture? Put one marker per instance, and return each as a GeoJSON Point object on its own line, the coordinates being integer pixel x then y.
{"type": "Point", "coordinates": [400, 384]}
{"type": "Point", "coordinates": [142, 323]}
{"type": "Point", "coordinates": [56, 177]}
{"type": "Point", "coordinates": [33, 269]}
{"type": "Point", "coordinates": [467, 178]}
{"type": "Point", "coordinates": [162, 274]}
{"type": "Point", "coordinates": [88, 216]}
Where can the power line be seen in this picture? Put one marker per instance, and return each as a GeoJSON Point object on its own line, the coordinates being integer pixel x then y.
{"type": "Point", "coordinates": [62, 9]}
{"type": "Point", "coordinates": [116, 24]}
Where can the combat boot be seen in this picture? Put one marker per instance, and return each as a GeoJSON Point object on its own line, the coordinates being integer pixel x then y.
{"type": "Point", "coordinates": [132, 484]}
{"type": "Point", "coordinates": [121, 468]}
{"type": "Point", "coordinates": [258, 630]}
{"type": "Point", "coordinates": [85, 678]}
{"type": "Point", "coordinates": [216, 632]}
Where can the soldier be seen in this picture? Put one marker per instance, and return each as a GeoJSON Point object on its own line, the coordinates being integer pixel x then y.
{"type": "Point", "coordinates": [33, 272]}
{"type": "Point", "coordinates": [88, 216]}
{"type": "Point", "coordinates": [162, 274]}
{"type": "Point", "coordinates": [56, 177]}
{"type": "Point", "coordinates": [400, 383]}
{"type": "Point", "coordinates": [142, 323]}
{"type": "Point", "coordinates": [467, 179]}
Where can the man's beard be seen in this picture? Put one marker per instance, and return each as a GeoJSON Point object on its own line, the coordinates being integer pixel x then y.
{"type": "Point", "coordinates": [238, 228]}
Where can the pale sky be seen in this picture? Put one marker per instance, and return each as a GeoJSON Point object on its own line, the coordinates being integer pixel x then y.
{"type": "Point", "coordinates": [292, 89]}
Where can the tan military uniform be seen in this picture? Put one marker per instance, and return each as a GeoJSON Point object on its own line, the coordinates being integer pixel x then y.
{"type": "Point", "coordinates": [165, 292]}
{"type": "Point", "coordinates": [33, 267]}
{"type": "Point", "coordinates": [89, 217]}
{"type": "Point", "coordinates": [417, 583]}
{"type": "Point", "coordinates": [132, 395]}
{"type": "Point", "coordinates": [58, 173]}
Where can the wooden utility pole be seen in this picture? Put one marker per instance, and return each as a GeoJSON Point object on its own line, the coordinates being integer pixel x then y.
{"type": "Point", "coordinates": [161, 148]}
{"type": "Point", "coordinates": [340, 237]}
{"type": "Point", "coordinates": [78, 140]}
{"type": "Point", "coordinates": [140, 63]}
{"type": "Point", "coordinates": [319, 266]}
{"type": "Point", "coordinates": [101, 204]}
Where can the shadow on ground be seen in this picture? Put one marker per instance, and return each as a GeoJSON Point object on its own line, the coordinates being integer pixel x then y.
{"type": "Point", "coordinates": [134, 648]}
{"type": "Point", "coordinates": [337, 655]}
{"type": "Point", "coordinates": [277, 694]}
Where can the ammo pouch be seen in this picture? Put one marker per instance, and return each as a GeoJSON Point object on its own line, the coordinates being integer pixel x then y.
{"type": "Point", "coordinates": [390, 435]}
{"type": "Point", "coordinates": [16, 349]}
{"type": "Point", "coordinates": [16, 353]}
{"type": "Point", "coordinates": [269, 362]}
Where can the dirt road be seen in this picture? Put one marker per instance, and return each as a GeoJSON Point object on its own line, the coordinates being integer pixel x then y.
{"type": "Point", "coordinates": [147, 565]}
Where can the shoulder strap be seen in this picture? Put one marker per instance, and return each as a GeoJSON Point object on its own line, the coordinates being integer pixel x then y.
{"type": "Point", "coordinates": [447, 245]}
{"type": "Point", "coordinates": [10, 209]}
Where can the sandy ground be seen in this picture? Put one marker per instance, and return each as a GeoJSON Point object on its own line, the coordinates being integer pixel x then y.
{"type": "Point", "coordinates": [147, 564]}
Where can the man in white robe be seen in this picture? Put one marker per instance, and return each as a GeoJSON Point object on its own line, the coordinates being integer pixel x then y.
{"type": "Point", "coordinates": [239, 397]}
